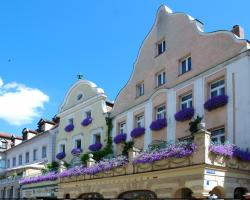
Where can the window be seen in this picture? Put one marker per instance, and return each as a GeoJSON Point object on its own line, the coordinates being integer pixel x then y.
{"type": "Point", "coordinates": [139, 89]}
{"type": "Point", "coordinates": [161, 47]}
{"type": "Point", "coordinates": [185, 65]}
{"type": "Point", "coordinates": [160, 79]}
{"type": "Point", "coordinates": [62, 148]}
{"type": "Point", "coordinates": [14, 162]}
{"type": "Point", "coordinates": [88, 114]}
{"type": "Point", "coordinates": [161, 112]}
{"type": "Point", "coordinates": [217, 88]}
{"type": "Point", "coordinates": [78, 143]}
{"type": "Point", "coordinates": [3, 144]}
{"type": "Point", "coordinates": [44, 152]}
{"type": "Point", "coordinates": [35, 154]}
{"type": "Point", "coordinates": [218, 136]}
{"type": "Point", "coordinates": [8, 163]}
{"type": "Point", "coordinates": [79, 97]}
{"type": "Point", "coordinates": [20, 159]}
{"type": "Point", "coordinates": [122, 127]}
{"type": "Point", "coordinates": [186, 101]}
{"type": "Point", "coordinates": [140, 121]}
{"type": "Point", "coordinates": [27, 157]}
{"type": "Point", "coordinates": [97, 138]}
{"type": "Point", "coordinates": [71, 121]}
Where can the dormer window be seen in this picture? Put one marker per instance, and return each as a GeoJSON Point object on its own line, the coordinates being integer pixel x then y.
{"type": "Point", "coordinates": [161, 47]}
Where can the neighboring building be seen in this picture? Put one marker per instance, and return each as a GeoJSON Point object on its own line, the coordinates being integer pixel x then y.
{"type": "Point", "coordinates": [83, 101]}
{"type": "Point", "coordinates": [27, 158]}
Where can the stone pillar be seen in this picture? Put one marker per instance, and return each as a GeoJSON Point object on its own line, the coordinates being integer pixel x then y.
{"type": "Point", "coordinates": [202, 139]}
{"type": "Point", "coordinates": [131, 155]}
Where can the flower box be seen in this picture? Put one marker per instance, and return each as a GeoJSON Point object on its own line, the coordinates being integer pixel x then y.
{"type": "Point", "coordinates": [137, 132]}
{"type": "Point", "coordinates": [61, 155]}
{"type": "Point", "coordinates": [76, 151]}
{"type": "Point", "coordinates": [158, 124]}
{"type": "Point", "coordinates": [87, 121]}
{"type": "Point", "coordinates": [69, 128]}
{"type": "Point", "coordinates": [120, 138]}
{"type": "Point", "coordinates": [216, 102]}
{"type": "Point", "coordinates": [95, 147]}
{"type": "Point", "coordinates": [184, 114]}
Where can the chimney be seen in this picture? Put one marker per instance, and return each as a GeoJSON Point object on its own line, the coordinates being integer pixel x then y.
{"type": "Point", "coordinates": [238, 30]}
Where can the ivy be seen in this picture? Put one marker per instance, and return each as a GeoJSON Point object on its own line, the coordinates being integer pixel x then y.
{"type": "Point", "coordinates": [126, 147]}
{"type": "Point", "coordinates": [108, 149]}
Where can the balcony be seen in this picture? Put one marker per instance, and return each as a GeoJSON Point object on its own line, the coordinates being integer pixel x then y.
{"type": "Point", "coordinates": [10, 180]}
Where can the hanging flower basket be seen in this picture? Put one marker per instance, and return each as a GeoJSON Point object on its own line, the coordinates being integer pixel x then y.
{"type": "Point", "coordinates": [120, 138]}
{"type": "Point", "coordinates": [61, 155]}
{"type": "Point", "coordinates": [137, 132]}
{"type": "Point", "coordinates": [76, 151]}
{"type": "Point", "coordinates": [184, 114]}
{"type": "Point", "coordinates": [87, 121]}
{"type": "Point", "coordinates": [69, 128]}
{"type": "Point", "coordinates": [95, 147]}
{"type": "Point", "coordinates": [158, 124]}
{"type": "Point", "coordinates": [216, 102]}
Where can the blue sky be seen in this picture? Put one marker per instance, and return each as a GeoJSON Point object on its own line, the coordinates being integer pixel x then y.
{"type": "Point", "coordinates": [44, 44]}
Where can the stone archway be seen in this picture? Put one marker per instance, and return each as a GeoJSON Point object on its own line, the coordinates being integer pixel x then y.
{"type": "Point", "coordinates": [218, 191]}
{"type": "Point", "coordinates": [91, 196]}
{"type": "Point", "coordinates": [185, 193]}
{"type": "Point", "coordinates": [239, 192]}
{"type": "Point", "coordinates": [138, 194]}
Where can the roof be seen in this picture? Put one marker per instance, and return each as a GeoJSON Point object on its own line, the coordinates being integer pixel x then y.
{"type": "Point", "coordinates": [9, 136]}
{"type": "Point", "coordinates": [42, 121]}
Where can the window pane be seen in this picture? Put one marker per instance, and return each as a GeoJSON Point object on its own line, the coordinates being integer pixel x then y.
{"type": "Point", "coordinates": [159, 49]}
{"type": "Point", "coordinates": [214, 93]}
{"type": "Point", "coordinates": [189, 63]}
{"type": "Point", "coordinates": [222, 91]}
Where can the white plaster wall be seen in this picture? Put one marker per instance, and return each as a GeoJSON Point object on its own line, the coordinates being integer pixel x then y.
{"type": "Point", "coordinates": [241, 70]}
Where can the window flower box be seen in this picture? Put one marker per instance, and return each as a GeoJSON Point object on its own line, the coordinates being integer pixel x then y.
{"type": "Point", "coordinates": [76, 151]}
{"type": "Point", "coordinates": [61, 155]}
{"type": "Point", "coordinates": [120, 138]}
{"type": "Point", "coordinates": [184, 114]}
{"type": "Point", "coordinates": [158, 124]}
{"type": "Point", "coordinates": [95, 147]}
{"type": "Point", "coordinates": [137, 132]}
{"type": "Point", "coordinates": [216, 102]}
{"type": "Point", "coordinates": [69, 128]}
{"type": "Point", "coordinates": [87, 121]}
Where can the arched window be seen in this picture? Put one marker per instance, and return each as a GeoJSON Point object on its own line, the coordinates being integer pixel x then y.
{"type": "Point", "coordinates": [138, 194]}
{"type": "Point", "coordinates": [240, 192]}
{"type": "Point", "coordinates": [91, 196]}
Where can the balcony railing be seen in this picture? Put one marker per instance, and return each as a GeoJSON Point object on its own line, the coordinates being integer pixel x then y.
{"type": "Point", "coordinates": [10, 180]}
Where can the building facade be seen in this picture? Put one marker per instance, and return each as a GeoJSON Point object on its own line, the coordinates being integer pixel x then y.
{"type": "Point", "coordinates": [82, 120]}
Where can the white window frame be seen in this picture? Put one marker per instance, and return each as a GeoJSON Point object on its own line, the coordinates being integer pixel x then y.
{"type": "Point", "coordinates": [8, 163]}
{"type": "Point", "coordinates": [218, 88]}
{"type": "Point", "coordinates": [75, 138]}
{"type": "Point", "coordinates": [63, 142]}
{"type": "Point", "coordinates": [162, 45]}
{"type": "Point", "coordinates": [187, 102]}
{"type": "Point", "coordinates": [27, 160]}
{"type": "Point", "coordinates": [35, 154]}
{"type": "Point", "coordinates": [160, 114]}
{"type": "Point", "coordinates": [14, 163]}
{"type": "Point", "coordinates": [87, 113]}
{"type": "Point", "coordinates": [160, 78]}
{"type": "Point", "coordinates": [140, 122]}
{"type": "Point", "coordinates": [218, 136]}
{"type": "Point", "coordinates": [140, 89]}
{"type": "Point", "coordinates": [95, 132]}
{"type": "Point", "coordinates": [187, 69]}
{"type": "Point", "coordinates": [78, 95]}
{"type": "Point", "coordinates": [20, 156]}
{"type": "Point", "coordinates": [44, 155]}
{"type": "Point", "coordinates": [122, 127]}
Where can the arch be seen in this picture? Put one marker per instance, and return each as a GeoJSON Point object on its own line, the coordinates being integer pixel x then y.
{"type": "Point", "coordinates": [184, 193]}
{"type": "Point", "coordinates": [67, 196]}
{"type": "Point", "coordinates": [239, 192]}
{"type": "Point", "coordinates": [93, 195]}
{"type": "Point", "coordinates": [138, 194]}
{"type": "Point", "coordinates": [218, 191]}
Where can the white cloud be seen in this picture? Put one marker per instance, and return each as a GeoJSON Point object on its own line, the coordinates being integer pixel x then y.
{"type": "Point", "coordinates": [20, 104]}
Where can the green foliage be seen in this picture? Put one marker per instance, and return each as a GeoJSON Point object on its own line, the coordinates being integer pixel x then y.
{"type": "Point", "coordinates": [65, 164]}
{"type": "Point", "coordinates": [108, 149]}
{"type": "Point", "coordinates": [194, 125]}
{"type": "Point", "coordinates": [126, 147]}
{"type": "Point", "coordinates": [51, 167]}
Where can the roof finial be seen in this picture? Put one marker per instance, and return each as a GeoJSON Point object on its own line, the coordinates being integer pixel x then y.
{"type": "Point", "coordinates": [79, 76]}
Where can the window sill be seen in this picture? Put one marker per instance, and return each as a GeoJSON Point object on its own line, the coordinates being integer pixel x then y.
{"type": "Point", "coordinates": [137, 97]}
{"type": "Point", "coordinates": [179, 75]}
{"type": "Point", "coordinates": [159, 54]}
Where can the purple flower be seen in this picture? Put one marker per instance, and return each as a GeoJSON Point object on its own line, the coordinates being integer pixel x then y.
{"type": "Point", "coordinates": [216, 102]}
{"type": "Point", "coordinates": [51, 176]}
{"type": "Point", "coordinates": [76, 151]}
{"type": "Point", "coordinates": [95, 147]}
{"type": "Point", "coordinates": [184, 114]}
{"type": "Point", "coordinates": [137, 132]}
{"type": "Point", "coordinates": [69, 128]}
{"type": "Point", "coordinates": [158, 124]}
{"type": "Point", "coordinates": [177, 150]}
{"type": "Point", "coordinates": [120, 138]}
{"type": "Point", "coordinates": [241, 154]}
{"type": "Point", "coordinates": [87, 121]}
{"type": "Point", "coordinates": [61, 155]}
